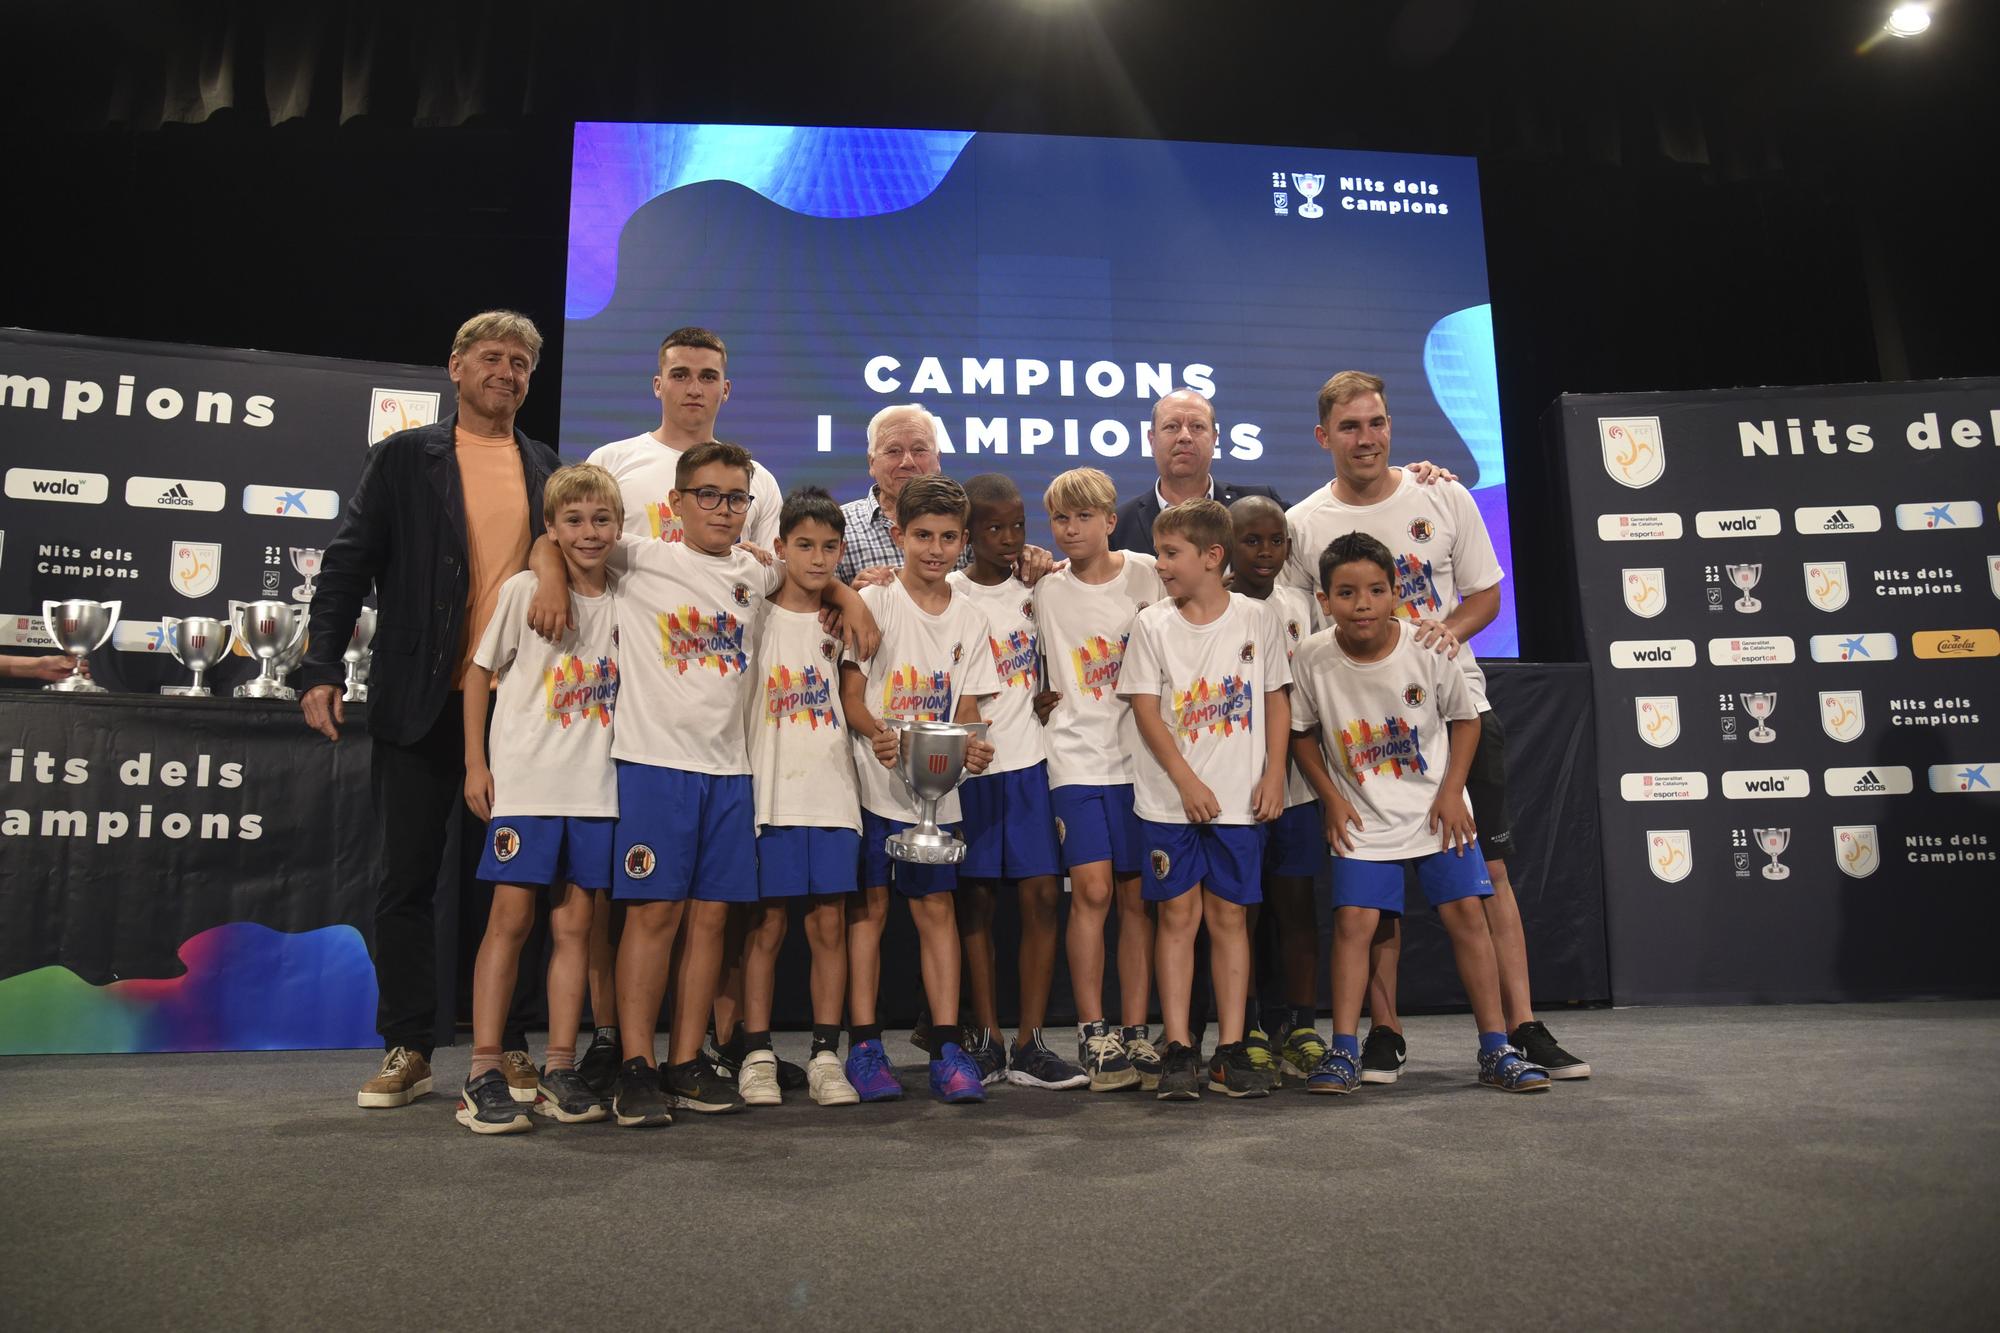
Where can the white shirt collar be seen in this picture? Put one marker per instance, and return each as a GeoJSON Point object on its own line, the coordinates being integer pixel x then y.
{"type": "Point", "coordinates": [1158, 495]}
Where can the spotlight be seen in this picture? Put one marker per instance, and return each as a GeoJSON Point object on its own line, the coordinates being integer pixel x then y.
{"type": "Point", "coordinates": [1907, 20]}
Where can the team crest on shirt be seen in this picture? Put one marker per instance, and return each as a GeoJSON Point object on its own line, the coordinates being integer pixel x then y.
{"type": "Point", "coordinates": [1413, 696]}
{"type": "Point", "coordinates": [1249, 653]}
{"type": "Point", "coordinates": [1162, 863]}
{"type": "Point", "coordinates": [1028, 609]}
{"type": "Point", "coordinates": [638, 861]}
{"type": "Point", "coordinates": [1062, 831]}
{"type": "Point", "coordinates": [826, 649]}
{"type": "Point", "coordinates": [1292, 630]}
{"type": "Point", "coordinates": [1422, 529]}
{"type": "Point", "coordinates": [741, 592]}
{"type": "Point", "coordinates": [506, 844]}
{"type": "Point", "coordinates": [957, 653]}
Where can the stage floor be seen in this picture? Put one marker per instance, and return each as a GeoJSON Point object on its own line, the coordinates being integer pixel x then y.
{"type": "Point", "coordinates": [1811, 1167]}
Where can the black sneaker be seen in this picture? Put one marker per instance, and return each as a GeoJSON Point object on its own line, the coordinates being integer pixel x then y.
{"type": "Point", "coordinates": [1383, 1056]}
{"type": "Point", "coordinates": [1180, 1074]}
{"type": "Point", "coordinates": [723, 1061]}
{"type": "Point", "coordinates": [637, 1102]}
{"type": "Point", "coordinates": [567, 1098]}
{"type": "Point", "coordinates": [791, 1077]}
{"type": "Point", "coordinates": [486, 1106]}
{"type": "Point", "coordinates": [1535, 1042]}
{"type": "Point", "coordinates": [599, 1066]}
{"type": "Point", "coordinates": [696, 1086]}
{"type": "Point", "coordinates": [1231, 1071]}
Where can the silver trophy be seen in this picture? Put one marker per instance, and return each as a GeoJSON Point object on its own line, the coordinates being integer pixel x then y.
{"type": "Point", "coordinates": [931, 762]}
{"type": "Point", "coordinates": [275, 634]}
{"type": "Point", "coordinates": [306, 560]}
{"type": "Point", "coordinates": [1761, 706]}
{"type": "Point", "coordinates": [1774, 841]}
{"type": "Point", "coordinates": [197, 643]}
{"type": "Point", "coordinates": [1745, 578]}
{"type": "Point", "coordinates": [1310, 186]}
{"type": "Point", "coordinates": [80, 628]}
{"type": "Point", "coordinates": [358, 657]}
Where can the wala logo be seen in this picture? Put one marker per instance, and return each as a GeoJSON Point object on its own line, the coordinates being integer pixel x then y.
{"type": "Point", "coordinates": [1663, 786]}
{"type": "Point", "coordinates": [1765, 784]}
{"type": "Point", "coordinates": [1837, 518]}
{"type": "Point", "coordinates": [1638, 527]}
{"type": "Point", "coordinates": [1632, 654]}
{"type": "Point", "coordinates": [202, 497]}
{"type": "Point", "coordinates": [1669, 853]}
{"type": "Point", "coordinates": [1966, 778]}
{"type": "Point", "coordinates": [1826, 584]}
{"type": "Point", "coordinates": [1856, 850]}
{"type": "Point", "coordinates": [1879, 780]}
{"type": "Point", "coordinates": [1945, 514]}
{"type": "Point", "coordinates": [1775, 651]}
{"type": "Point", "coordinates": [1659, 718]}
{"type": "Point", "coordinates": [1645, 591]}
{"type": "Point", "coordinates": [1634, 453]}
{"type": "Point", "coordinates": [1841, 713]}
{"type": "Point", "coordinates": [1738, 523]}
{"type": "Point", "coordinates": [74, 488]}
{"type": "Point", "coordinates": [1853, 647]}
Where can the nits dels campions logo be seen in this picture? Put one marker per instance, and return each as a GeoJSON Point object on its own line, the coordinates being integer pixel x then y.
{"type": "Point", "coordinates": [1634, 452]}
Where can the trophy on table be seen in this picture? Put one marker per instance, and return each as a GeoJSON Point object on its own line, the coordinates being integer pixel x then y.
{"type": "Point", "coordinates": [1745, 578]}
{"type": "Point", "coordinates": [1761, 706]}
{"type": "Point", "coordinates": [275, 634]}
{"type": "Point", "coordinates": [358, 657]}
{"type": "Point", "coordinates": [306, 560]}
{"type": "Point", "coordinates": [931, 762]}
{"type": "Point", "coordinates": [80, 627]}
{"type": "Point", "coordinates": [1774, 841]}
{"type": "Point", "coordinates": [197, 643]}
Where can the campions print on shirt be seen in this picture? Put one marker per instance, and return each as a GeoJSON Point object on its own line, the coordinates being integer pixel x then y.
{"type": "Point", "coordinates": [801, 698]}
{"type": "Point", "coordinates": [1096, 661]}
{"type": "Point", "coordinates": [578, 690]}
{"type": "Point", "coordinates": [1206, 709]}
{"type": "Point", "coordinates": [917, 696]}
{"type": "Point", "coordinates": [1014, 659]}
{"type": "Point", "coordinates": [689, 637]}
{"type": "Point", "coordinates": [1415, 588]}
{"type": "Point", "coordinates": [1392, 748]}
{"type": "Point", "coordinates": [663, 522]}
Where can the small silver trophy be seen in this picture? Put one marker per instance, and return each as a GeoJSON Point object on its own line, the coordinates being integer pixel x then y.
{"type": "Point", "coordinates": [1310, 185]}
{"type": "Point", "coordinates": [306, 560]}
{"type": "Point", "coordinates": [275, 634]}
{"type": "Point", "coordinates": [1745, 578]}
{"type": "Point", "coordinates": [197, 643]}
{"type": "Point", "coordinates": [80, 627]}
{"type": "Point", "coordinates": [1760, 706]}
{"type": "Point", "coordinates": [358, 656]}
{"type": "Point", "coordinates": [931, 762]}
{"type": "Point", "coordinates": [1774, 841]}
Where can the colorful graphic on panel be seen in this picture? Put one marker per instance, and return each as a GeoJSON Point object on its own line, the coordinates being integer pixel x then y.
{"type": "Point", "coordinates": [1206, 709]}
{"type": "Point", "coordinates": [1014, 659]}
{"type": "Point", "coordinates": [1392, 748]}
{"type": "Point", "coordinates": [689, 637]}
{"type": "Point", "coordinates": [579, 690]}
{"type": "Point", "coordinates": [1096, 662]}
{"type": "Point", "coordinates": [801, 698]}
{"type": "Point", "coordinates": [917, 696]}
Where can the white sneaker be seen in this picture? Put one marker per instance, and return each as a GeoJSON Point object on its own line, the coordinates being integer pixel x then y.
{"type": "Point", "coordinates": [827, 1079]}
{"type": "Point", "coordinates": [757, 1079]}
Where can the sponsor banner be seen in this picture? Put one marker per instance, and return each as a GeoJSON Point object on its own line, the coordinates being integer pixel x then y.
{"type": "Point", "coordinates": [18, 631]}
{"type": "Point", "coordinates": [290, 502]}
{"type": "Point", "coordinates": [1823, 633]}
{"type": "Point", "coordinates": [57, 487]}
{"type": "Point", "coordinates": [205, 497]}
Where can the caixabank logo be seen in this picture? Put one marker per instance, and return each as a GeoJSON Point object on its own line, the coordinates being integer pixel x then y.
{"type": "Point", "coordinates": [1940, 516]}
{"type": "Point", "coordinates": [283, 502]}
{"type": "Point", "coordinates": [1964, 779]}
{"type": "Point", "coordinates": [1862, 647]}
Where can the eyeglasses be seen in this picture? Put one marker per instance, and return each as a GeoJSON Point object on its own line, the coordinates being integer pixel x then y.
{"type": "Point", "coordinates": [708, 498]}
{"type": "Point", "coordinates": [897, 453]}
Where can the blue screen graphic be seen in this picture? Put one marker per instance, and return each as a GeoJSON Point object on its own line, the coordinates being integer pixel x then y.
{"type": "Point", "coordinates": [1036, 294]}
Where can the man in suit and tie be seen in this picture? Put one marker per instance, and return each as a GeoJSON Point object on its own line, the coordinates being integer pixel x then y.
{"type": "Point", "coordinates": [1183, 450]}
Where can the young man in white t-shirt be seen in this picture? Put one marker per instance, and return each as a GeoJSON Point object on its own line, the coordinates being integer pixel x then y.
{"type": "Point", "coordinates": [1448, 584]}
{"type": "Point", "coordinates": [1083, 620]}
{"type": "Point", "coordinates": [1206, 675]}
{"type": "Point", "coordinates": [1397, 725]}
{"type": "Point", "coordinates": [932, 666]}
{"type": "Point", "coordinates": [549, 797]}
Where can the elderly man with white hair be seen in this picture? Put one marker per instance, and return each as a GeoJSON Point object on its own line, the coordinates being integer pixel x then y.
{"type": "Point", "coordinates": [902, 444]}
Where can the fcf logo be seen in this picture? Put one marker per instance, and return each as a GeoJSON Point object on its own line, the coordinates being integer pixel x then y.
{"type": "Point", "coordinates": [1841, 713]}
{"type": "Point", "coordinates": [1856, 850]}
{"type": "Point", "coordinates": [195, 568]}
{"type": "Point", "coordinates": [1634, 453]}
{"type": "Point", "coordinates": [1668, 852]}
{"type": "Point", "coordinates": [1645, 591]}
{"type": "Point", "coordinates": [1826, 584]}
{"type": "Point", "coordinates": [1659, 718]}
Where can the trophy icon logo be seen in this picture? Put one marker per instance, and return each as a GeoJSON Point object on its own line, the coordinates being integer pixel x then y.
{"type": "Point", "coordinates": [1773, 841]}
{"type": "Point", "coordinates": [1745, 578]}
{"type": "Point", "coordinates": [931, 762]}
{"type": "Point", "coordinates": [306, 560]}
{"type": "Point", "coordinates": [1310, 186]}
{"type": "Point", "coordinates": [1761, 706]}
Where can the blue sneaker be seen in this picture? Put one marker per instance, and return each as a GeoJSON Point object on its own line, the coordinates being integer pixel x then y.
{"type": "Point", "coordinates": [989, 1056]}
{"type": "Point", "coordinates": [1034, 1065]}
{"type": "Point", "coordinates": [1337, 1071]}
{"type": "Point", "coordinates": [869, 1070]}
{"type": "Point", "coordinates": [1100, 1049]}
{"type": "Point", "coordinates": [487, 1106]}
{"type": "Point", "coordinates": [1505, 1068]}
{"type": "Point", "coordinates": [954, 1077]}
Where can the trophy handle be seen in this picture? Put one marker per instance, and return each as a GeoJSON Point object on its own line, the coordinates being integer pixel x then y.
{"type": "Point", "coordinates": [299, 620]}
{"type": "Point", "coordinates": [49, 621]}
{"type": "Point", "coordinates": [111, 625]}
{"type": "Point", "coordinates": [228, 637]}
{"type": "Point", "coordinates": [169, 630]}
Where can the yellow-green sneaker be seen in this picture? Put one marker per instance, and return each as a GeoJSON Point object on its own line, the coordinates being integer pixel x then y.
{"type": "Point", "coordinates": [1301, 1053]}
{"type": "Point", "coordinates": [1263, 1060]}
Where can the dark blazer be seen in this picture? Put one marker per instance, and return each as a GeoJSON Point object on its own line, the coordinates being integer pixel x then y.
{"type": "Point", "coordinates": [1134, 531]}
{"type": "Point", "coordinates": [404, 539]}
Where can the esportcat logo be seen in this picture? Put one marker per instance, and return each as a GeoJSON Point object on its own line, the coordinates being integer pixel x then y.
{"type": "Point", "coordinates": [1638, 527]}
{"type": "Point", "coordinates": [1681, 786]}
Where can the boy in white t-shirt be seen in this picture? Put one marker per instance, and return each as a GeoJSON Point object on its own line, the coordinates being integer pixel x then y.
{"type": "Point", "coordinates": [1397, 725]}
{"type": "Point", "coordinates": [1010, 829]}
{"type": "Point", "coordinates": [932, 666]}
{"type": "Point", "coordinates": [1206, 674]}
{"type": "Point", "coordinates": [1083, 618]}
{"type": "Point", "coordinates": [549, 796]}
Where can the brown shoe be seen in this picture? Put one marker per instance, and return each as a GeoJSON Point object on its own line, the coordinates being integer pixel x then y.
{"type": "Point", "coordinates": [523, 1079]}
{"type": "Point", "coordinates": [405, 1077]}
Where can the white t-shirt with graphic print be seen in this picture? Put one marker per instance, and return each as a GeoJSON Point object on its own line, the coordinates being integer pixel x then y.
{"type": "Point", "coordinates": [645, 471]}
{"type": "Point", "coordinates": [1299, 617]}
{"type": "Point", "coordinates": [550, 747]}
{"type": "Point", "coordinates": [801, 762]}
{"type": "Point", "coordinates": [1083, 629]}
{"type": "Point", "coordinates": [1008, 608]}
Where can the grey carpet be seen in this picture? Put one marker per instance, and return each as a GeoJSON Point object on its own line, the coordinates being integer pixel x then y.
{"type": "Point", "coordinates": [1824, 1167]}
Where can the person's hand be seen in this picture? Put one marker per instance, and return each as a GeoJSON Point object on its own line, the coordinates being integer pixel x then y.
{"type": "Point", "coordinates": [1340, 816]}
{"type": "Point", "coordinates": [764, 557]}
{"type": "Point", "coordinates": [887, 745]}
{"type": "Point", "coordinates": [874, 576]}
{"type": "Point", "coordinates": [325, 710]}
{"type": "Point", "coordinates": [861, 634]}
{"type": "Point", "coordinates": [1198, 803]}
{"type": "Point", "coordinates": [479, 791]}
{"type": "Point", "coordinates": [1429, 474]}
{"type": "Point", "coordinates": [830, 621]}
{"type": "Point", "coordinates": [978, 754]}
{"type": "Point", "coordinates": [1032, 564]}
{"type": "Point", "coordinates": [1045, 703]}
{"type": "Point", "coordinates": [54, 666]}
{"type": "Point", "coordinates": [1268, 802]}
{"type": "Point", "coordinates": [1433, 634]}
{"type": "Point", "coordinates": [549, 611]}
{"type": "Point", "coordinates": [1451, 820]}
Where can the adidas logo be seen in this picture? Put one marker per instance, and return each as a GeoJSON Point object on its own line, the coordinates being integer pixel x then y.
{"type": "Point", "coordinates": [1837, 521]}
{"type": "Point", "coordinates": [176, 495]}
{"type": "Point", "coordinates": [1869, 782]}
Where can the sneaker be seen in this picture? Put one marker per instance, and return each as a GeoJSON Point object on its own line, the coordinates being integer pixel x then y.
{"type": "Point", "coordinates": [1263, 1059]}
{"type": "Point", "coordinates": [486, 1105]}
{"type": "Point", "coordinates": [1540, 1048]}
{"type": "Point", "coordinates": [1139, 1050]}
{"type": "Point", "coordinates": [828, 1081]}
{"type": "Point", "coordinates": [1100, 1049]}
{"type": "Point", "coordinates": [1304, 1048]}
{"type": "Point", "coordinates": [567, 1098]}
{"type": "Point", "coordinates": [870, 1073]}
{"type": "Point", "coordinates": [636, 1100]}
{"type": "Point", "coordinates": [757, 1080]}
{"type": "Point", "coordinates": [1180, 1074]}
{"type": "Point", "coordinates": [523, 1079]}
{"type": "Point", "coordinates": [1505, 1068]}
{"type": "Point", "coordinates": [720, 1059]}
{"type": "Point", "coordinates": [405, 1076]}
{"type": "Point", "coordinates": [791, 1077]}
{"type": "Point", "coordinates": [697, 1087]}
{"type": "Point", "coordinates": [955, 1076]}
{"type": "Point", "coordinates": [1383, 1056]}
{"type": "Point", "coordinates": [599, 1066]}
{"type": "Point", "coordinates": [989, 1056]}
{"type": "Point", "coordinates": [1034, 1065]}
{"type": "Point", "coordinates": [1231, 1070]}
{"type": "Point", "coordinates": [1336, 1071]}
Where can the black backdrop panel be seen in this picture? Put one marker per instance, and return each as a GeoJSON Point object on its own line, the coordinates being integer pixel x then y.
{"type": "Point", "coordinates": [1790, 602]}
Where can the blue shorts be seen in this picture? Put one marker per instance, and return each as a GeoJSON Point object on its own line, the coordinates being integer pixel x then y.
{"type": "Point", "coordinates": [1097, 824]}
{"type": "Point", "coordinates": [910, 880]}
{"type": "Point", "coordinates": [1446, 877]}
{"type": "Point", "coordinates": [1297, 845]}
{"type": "Point", "coordinates": [684, 835]}
{"type": "Point", "coordinates": [1010, 829]}
{"type": "Point", "coordinates": [534, 850]}
{"type": "Point", "coordinates": [793, 861]}
{"type": "Point", "coordinates": [1225, 859]}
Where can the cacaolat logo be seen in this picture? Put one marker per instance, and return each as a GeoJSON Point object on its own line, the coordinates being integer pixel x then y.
{"type": "Point", "coordinates": [1634, 452]}
{"type": "Point", "coordinates": [1933, 644]}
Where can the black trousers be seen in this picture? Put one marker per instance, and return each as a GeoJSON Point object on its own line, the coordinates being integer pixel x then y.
{"type": "Point", "coordinates": [419, 793]}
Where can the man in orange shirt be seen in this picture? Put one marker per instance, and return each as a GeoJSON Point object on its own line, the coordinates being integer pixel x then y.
{"type": "Point", "coordinates": [443, 516]}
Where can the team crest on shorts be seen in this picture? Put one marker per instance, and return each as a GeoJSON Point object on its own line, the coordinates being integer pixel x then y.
{"type": "Point", "coordinates": [1421, 529]}
{"type": "Point", "coordinates": [1413, 696]}
{"type": "Point", "coordinates": [826, 647]}
{"type": "Point", "coordinates": [506, 843]}
{"type": "Point", "coordinates": [1062, 831]}
{"type": "Point", "coordinates": [741, 592]}
{"type": "Point", "coordinates": [1249, 653]}
{"type": "Point", "coordinates": [1162, 863]}
{"type": "Point", "coordinates": [638, 861]}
